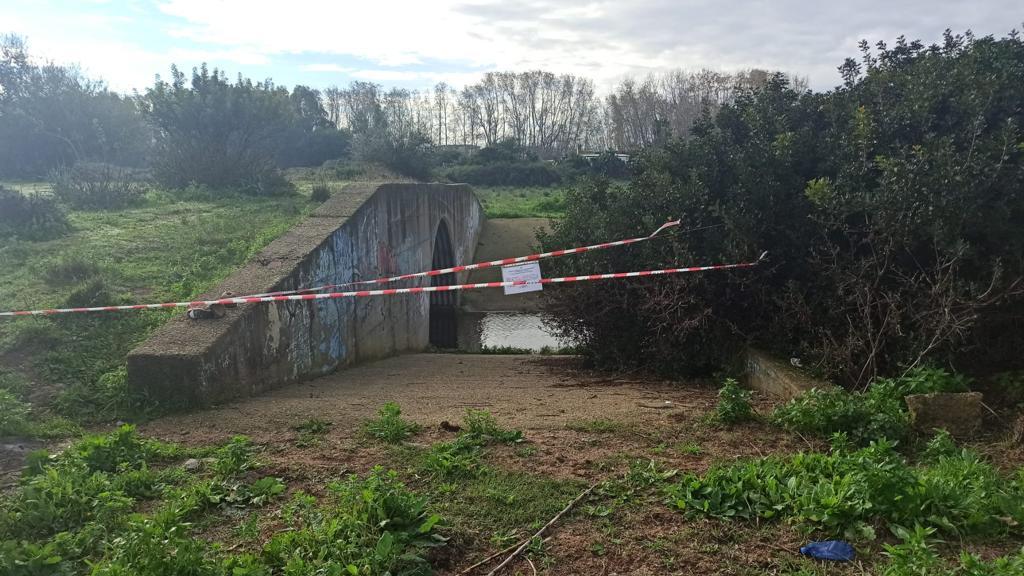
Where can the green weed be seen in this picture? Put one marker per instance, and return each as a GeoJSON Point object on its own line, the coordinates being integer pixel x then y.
{"type": "Point", "coordinates": [373, 526]}
{"type": "Point", "coordinates": [849, 492]}
{"type": "Point", "coordinates": [463, 457]}
{"type": "Point", "coordinates": [389, 426]}
{"type": "Point", "coordinates": [481, 425]}
{"type": "Point", "coordinates": [689, 448]}
{"type": "Point", "coordinates": [915, 555]}
{"type": "Point", "coordinates": [460, 458]}
{"type": "Point", "coordinates": [311, 431]}
{"type": "Point", "coordinates": [14, 415]}
{"type": "Point", "coordinates": [879, 412]}
{"type": "Point", "coordinates": [733, 404]}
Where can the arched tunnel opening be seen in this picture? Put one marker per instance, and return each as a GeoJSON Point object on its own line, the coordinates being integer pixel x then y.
{"type": "Point", "coordinates": [443, 304]}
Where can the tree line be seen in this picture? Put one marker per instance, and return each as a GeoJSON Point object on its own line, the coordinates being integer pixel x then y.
{"type": "Point", "coordinates": [202, 127]}
{"type": "Point", "coordinates": [551, 115]}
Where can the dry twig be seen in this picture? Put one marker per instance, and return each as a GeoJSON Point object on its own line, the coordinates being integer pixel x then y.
{"type": "Point", "coordinates": [541, 531]}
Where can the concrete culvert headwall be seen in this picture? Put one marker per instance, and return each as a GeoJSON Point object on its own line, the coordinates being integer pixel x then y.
{"type": "Point", "coordinates": [361, 233]}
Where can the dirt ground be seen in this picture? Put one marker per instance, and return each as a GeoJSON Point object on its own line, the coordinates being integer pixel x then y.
{"type": "Point", "coordinates": [555, 404]}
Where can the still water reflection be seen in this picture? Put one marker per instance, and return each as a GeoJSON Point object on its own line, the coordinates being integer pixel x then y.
{"type": "Point", "coordinates": [498, 329]}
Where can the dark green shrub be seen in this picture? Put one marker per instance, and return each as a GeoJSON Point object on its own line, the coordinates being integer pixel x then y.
{"type": "Point", "coordinates": [321, 192]}
{"type": "Point", "coordinates": [220, 134]}
{"type": "Point", "coordinates": [97, 186]}
{"type": "Point", "coordinates": [31, 216]}
{"type": "Point", "coordinates": [884, 250]}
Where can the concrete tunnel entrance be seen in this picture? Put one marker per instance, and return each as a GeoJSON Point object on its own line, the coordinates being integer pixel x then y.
{"type": "Point", "coordinates": [443, 304]}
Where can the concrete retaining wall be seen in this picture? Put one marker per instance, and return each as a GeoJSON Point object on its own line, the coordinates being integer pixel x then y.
{"type": "Point", "coordinates": [363, 232]}
{"type": "Point", "coordinates": [776, 377]}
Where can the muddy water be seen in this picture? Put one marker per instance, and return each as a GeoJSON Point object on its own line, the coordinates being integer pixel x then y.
{"type": "Point", "coordinates": [498, 329]}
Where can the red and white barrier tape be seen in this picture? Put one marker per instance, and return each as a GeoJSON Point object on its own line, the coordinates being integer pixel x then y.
{"type": "Point", "coordinates": [479, 265]}
{"type": "Point", "coordinates": [384, 292]}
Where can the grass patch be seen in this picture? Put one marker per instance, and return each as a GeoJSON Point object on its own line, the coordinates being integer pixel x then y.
{"type": "Point", "coordinates": [389, 426]}
{"type": "Point", "coordinates": [502, 502]}
{"type": "Point", "coordinates": [463, 457]}
{"type": "Point", "coordinates": [595, 426]}
{"type": "Point", "coordinates": [510, 202]}
{"type": "Point", "coordinates": [311, 431]}
{"type": "Point", "coordinates": [164, 249]}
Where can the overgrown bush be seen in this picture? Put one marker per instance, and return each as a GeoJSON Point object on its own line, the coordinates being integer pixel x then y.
{"type": "Point", "coordinates": [321, 192]}
{"type": "Point", "coordinates": [220, 134]}
{"type": "Point", "coordinates": [851, 493]}
{"type": "Point", "coordinates": [889, 207]}
{"type": "Point", "coordinates": [877, 412]}
{"type": "Point", "coordinates": [31, 216]}
{"type": "Point", "coordinates": [409, 155]}
{"type": "Point", "coordinates": [86, 186]}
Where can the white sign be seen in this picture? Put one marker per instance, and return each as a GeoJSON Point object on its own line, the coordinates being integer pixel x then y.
{"type": "Point", "coordinates": [526, 272]}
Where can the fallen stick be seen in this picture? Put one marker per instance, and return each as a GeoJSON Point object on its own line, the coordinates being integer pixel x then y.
{"type": "Point", "coordinates": [489, 558]}
{"type": "Point", "coordinates": [495, 555]}
{"type": "Point", "coordinates": [541, 531]}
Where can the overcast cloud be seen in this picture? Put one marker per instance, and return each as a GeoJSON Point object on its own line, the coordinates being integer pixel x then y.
{"type": "Point", "coordinates": [418, 43]}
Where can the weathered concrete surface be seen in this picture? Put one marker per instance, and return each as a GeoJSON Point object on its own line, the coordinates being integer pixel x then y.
{"type": "Point", "coordinates": [504, 238]}
{"type": "Point", "coordinates": [777, 378]}
{"type": "Point", "coordinates": [957, 413]}
{"type": "Point", "coordinates": [363, 232]}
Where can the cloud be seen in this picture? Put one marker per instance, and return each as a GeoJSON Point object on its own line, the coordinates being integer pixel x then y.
{"type": "Point", "coordinates": [384, 76]}
{"type": "Point", "coordinates": [601, 39]}
{"type": "Point", "coordinates": [414, 41]}
{"type": "Point", "coordinates": [325, 68]}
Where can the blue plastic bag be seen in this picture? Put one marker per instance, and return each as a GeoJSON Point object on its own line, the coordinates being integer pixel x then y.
{"type": "Point", "coordinates": [829, 550]}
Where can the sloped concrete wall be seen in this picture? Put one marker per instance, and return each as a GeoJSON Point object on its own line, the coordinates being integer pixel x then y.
{"type": "Point", "coordinates": [775, 377]}
{"type": "Point", "coordinates": [363, 232]}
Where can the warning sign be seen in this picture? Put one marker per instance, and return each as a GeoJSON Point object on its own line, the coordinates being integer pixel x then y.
{"type": "Point", "coordinates": [526, 272]}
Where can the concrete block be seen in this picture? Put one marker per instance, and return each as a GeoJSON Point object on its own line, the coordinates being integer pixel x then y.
{"type": "Point", "coordinates": [363, 232]}
{"type": "Point", "coordinates": [957, 413]}
{"type": "Point", "coordinates": [778, 378]}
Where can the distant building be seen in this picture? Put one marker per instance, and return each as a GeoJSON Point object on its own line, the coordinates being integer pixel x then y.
{"type": "Point", "coordinates": [589, 156]}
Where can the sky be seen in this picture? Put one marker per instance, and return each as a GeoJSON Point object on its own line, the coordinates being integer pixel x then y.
{"type": "Point", "coordinates": [417, 43]}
